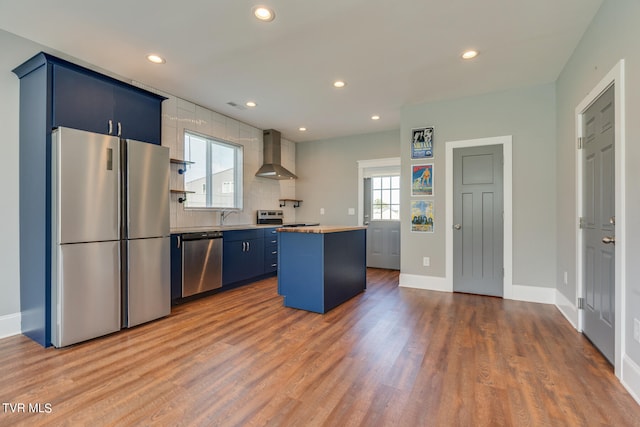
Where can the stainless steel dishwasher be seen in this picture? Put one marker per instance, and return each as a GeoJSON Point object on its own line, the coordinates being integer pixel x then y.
{"type": "Point", "coordinates": [201, 262]}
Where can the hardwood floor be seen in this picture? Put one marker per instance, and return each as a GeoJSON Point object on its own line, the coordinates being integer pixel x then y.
{"type": "Point", "coordinates": [388, 357]}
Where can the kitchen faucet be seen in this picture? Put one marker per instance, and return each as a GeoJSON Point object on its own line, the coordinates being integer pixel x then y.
{"type": "Point", "coordinates": [223, 215]}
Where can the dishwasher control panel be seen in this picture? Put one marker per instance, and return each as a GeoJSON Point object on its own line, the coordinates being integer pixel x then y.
{"type": "Point", "coordinates": [202, 235]}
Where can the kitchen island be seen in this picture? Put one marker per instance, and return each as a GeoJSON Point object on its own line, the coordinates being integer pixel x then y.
{"type": "Point", "coordinates": [320, 267]}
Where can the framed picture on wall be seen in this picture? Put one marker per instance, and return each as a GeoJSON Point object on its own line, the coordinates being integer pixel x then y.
{"type": "Point", "coordinates": [422, 180]}
{"type": "Point", "coordinates": [422, 143]}
{"type": "Point", "coordinates": [422, 216]}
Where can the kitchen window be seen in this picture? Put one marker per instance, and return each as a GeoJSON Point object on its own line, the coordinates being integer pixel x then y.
{"type": "Point", "coordinates": [385, 197]}
{"type": "Point", "coordinates": [215, 177]}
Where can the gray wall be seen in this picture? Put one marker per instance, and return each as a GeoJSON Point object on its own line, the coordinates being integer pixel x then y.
{"type": "Point", "coordinates": [328, 174]}
{"type": "Point", "coordinates": [613, 35]}
{"type": "Point", "coordinates": [528, 114]}
{"type": "Point", "coordinates": [15, 51]}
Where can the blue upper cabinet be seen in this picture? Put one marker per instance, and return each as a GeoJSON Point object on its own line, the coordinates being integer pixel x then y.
{"type": "Point", "coordinates": [84, 99]}
{"type": "Point", "coordinates": [81, 101]}
{"type": "Point", "coordinates": [93, 103]}
{"type": "Point", "coordinates": [139, 114]}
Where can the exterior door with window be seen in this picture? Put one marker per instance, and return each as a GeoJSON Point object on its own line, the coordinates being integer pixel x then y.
{"type": "Point", "coordinates": [382, 216]}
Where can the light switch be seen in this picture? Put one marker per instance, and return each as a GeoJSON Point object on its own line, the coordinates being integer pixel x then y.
{"type": "Point", "coordinates": [352, 211]}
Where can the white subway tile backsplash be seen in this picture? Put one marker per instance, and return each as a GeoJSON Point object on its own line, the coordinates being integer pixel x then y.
{"type": "Point", "coordinates": [204, 120]}
{"type": "Point", "coordinates": [232, 130]}
{"type": "Point", "coordinates": [259, 193]}
{"type": "Point", "coordinates": [186, 105]}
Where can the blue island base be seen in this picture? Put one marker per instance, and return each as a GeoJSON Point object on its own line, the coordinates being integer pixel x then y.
{"type": "Point", "coordinates": [318, 271]}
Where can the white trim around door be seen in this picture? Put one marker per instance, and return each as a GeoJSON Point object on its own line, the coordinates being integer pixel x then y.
{"type": "Point", "coordinates": [367, 166]}
{"type": "Point", "coordinates": [505, 141]}
{"type": "Point", "coordinates": [615, 77]}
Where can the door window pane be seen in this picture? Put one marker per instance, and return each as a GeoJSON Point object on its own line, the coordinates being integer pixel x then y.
{"type": "Point", "coordinates": [385, 197]}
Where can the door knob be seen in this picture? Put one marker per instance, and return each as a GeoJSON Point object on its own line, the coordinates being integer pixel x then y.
{"type": "Point", "coordinates": [609, 240]}
{"type": "Point", "coordinates": [457, 226]}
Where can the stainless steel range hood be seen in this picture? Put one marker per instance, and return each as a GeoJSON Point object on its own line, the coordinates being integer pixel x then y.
{"type": "Point", "coordinates": [271, 165]}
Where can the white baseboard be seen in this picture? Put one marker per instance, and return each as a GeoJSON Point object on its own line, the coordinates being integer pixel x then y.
{"type": "Point", "coordinates": [430, 283]}
{"type": "Point", "coordinates": [567, 308]}
{"type": "Point", "coordinates": [631, 377]}
{"type": "Point", "coordinates": [10, 325]}
{"type": "Point", "coordinates": [519, 292]}
{"type": "Point", "coordinates": [533, 294]}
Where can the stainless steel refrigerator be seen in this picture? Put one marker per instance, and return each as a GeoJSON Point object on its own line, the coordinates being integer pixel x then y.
{"type": "Point", "coordinates": [110, 235]}
{"type": "Point", "coordinates": [146, 247]}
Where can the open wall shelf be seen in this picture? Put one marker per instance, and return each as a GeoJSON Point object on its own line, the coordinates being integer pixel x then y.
{"type": "Point", "coordinates": [184, 164]}
{"type": "Point", "coordinates": [295, 202]}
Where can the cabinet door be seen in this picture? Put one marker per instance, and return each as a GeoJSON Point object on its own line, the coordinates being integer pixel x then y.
{"type": "Point", "coordinates": [242, 260]}
{"type": "Point", "coordinates": [81, 101]}
{"type": "Point", "coordinates": [139, 114]}
{"type": "Point", "coordinates": [255, 257]}
{"type": "Point", "coordinates": [176, 266]}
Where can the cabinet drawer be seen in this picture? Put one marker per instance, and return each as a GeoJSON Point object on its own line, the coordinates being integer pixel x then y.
{"type": "Point", "coordinates": [270, 233]}
{"type": "Point", "coordinates": [235, 235]}
{"type": "Point", "coordinates": [270, 237]}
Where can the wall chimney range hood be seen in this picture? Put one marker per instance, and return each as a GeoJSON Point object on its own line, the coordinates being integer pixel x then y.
{"type": "Point", "coordinates": [271, 165]}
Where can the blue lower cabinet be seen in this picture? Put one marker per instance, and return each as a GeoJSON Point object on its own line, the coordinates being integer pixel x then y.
{"type": "Point", "coordinates": [270, 251]}
{"type": "Point", "coordinates": [242, 256]}
{"type": "Point", "coordinates": [318, 272]}
{"type": "Point", "coordinates": [176, 267]}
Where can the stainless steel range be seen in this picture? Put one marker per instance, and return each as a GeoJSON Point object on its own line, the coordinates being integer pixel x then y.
{"type": "Point", "coordinates": [276, 217]}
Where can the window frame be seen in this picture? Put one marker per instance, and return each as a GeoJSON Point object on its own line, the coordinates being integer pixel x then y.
{"type": "Point", "coordinates": [238, 172]}
{"type": "Point", "coordinates": [389, 189]}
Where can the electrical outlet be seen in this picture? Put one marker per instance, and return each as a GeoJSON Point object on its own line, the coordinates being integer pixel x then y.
{"type": "Point", "coordinates": [426, 261]}
{"type": "Point", "coordinates": [351, 211]}
{"type": "Point", "coordinates": [566, 278]}
{"type": "Point", "coordinates": [636, 330]}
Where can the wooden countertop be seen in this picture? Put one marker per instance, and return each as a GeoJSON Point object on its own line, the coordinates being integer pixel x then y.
{"type": "Point", "coordinates": [321, 229]}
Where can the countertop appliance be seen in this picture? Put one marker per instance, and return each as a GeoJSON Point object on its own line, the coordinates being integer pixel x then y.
{"type": "Point", "coordinates": [202, 262]}
{"type": "Point", "coordinates": [110, 247]}
{"type": "Point", "coordinates": [276, 217]}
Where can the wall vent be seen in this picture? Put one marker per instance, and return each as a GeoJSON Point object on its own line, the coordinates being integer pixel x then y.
{"type": "Point", "coordinates": [236, 105]}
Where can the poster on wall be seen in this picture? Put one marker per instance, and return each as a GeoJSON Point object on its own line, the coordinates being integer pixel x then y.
{"type": "Point", "coordinates": [422, 143]}
{"type": "Point", "coordinates": [422, 216]}
{"type": "Point", "coordinates": [422, 180]}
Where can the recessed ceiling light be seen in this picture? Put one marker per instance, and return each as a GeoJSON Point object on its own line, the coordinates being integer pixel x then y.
{"type": "Point", "coordinates": [339, 84]}
{"type": "Point", "coordinates": [155, 58]}
{"type": "Point", "coordinates": [250, 104]}
{"type": "Point", "coordinates": [302, 129]}
{"type": "Point", "coordinates": [264, 14]}
{"type": "Point", "coordinates": [375, 117]}
{"type": "Point", "coordinates": [470, 54]}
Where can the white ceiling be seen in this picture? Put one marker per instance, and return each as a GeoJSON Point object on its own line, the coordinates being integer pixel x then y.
{"type": "Point", "coordinates": [390, 53]}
